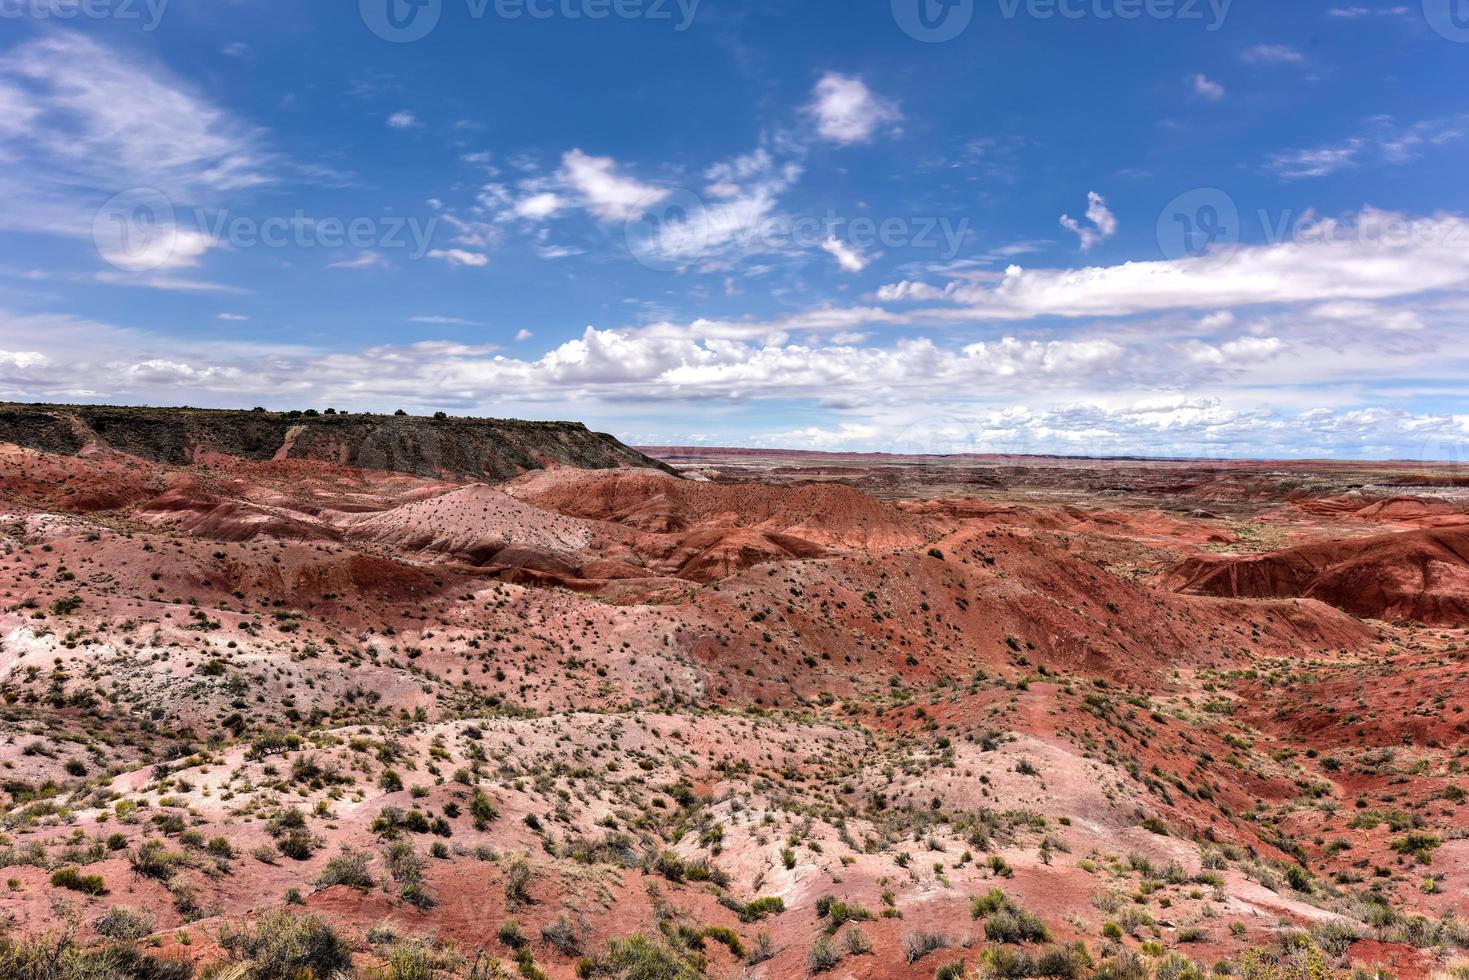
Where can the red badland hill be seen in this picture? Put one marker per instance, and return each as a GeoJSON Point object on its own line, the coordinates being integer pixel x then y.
{"type": "Point", "coordinates": [771, 716]}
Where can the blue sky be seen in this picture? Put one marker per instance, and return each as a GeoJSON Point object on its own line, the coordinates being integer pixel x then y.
{"type": "Point", "coordinates": [1075, 226]}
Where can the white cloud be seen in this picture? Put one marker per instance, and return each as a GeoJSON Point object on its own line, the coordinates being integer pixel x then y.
{"type": "Point", "coordinates": [1208, 89]}
{"type": "Point", "coordinates": [363, 260]}
{"type": "Point", "coordinates": [846, 110]}
{"type": "Point", "coordinates": [849, 257]}
{"type": "Point", "coordinates": [23, 360]}
{"type": "Point", "coordinates": [232, 317]}
{"type": "Point", "coordinates": [1235, 352]}
{"type": "Point", "coordinates": [605, 193]}
{"type": "Point", "coordinates": [1371, 316]}
{"type": "Point", "coordinates": [742, 219]}
{"type": "Point", "coordinates": [1092, 391]}
{"type": "Point", "coordinates": [1357, 12]}
{"type": "Point", "coordinates": [1371, 256]}
{"type": "Point", "coordinates": [538, 206]}
{"type": "Point", "coordinates": [1103, 222]}
{"type": "Point", "coordinates": [171, 248]}
{"type": "Point", "coordinates": [457, 321]}
{"type": "Point", "coordinates": [460, 257]}
{"type": "Point", "coordinates": [1384, 142]}
{"type": "Point", "coordinates": [522, 335]}
{"type": "Point", "coordinates": [403, 119]}
{"type": "Point", "coordinates": [81, 120]}
{"type": "Point", "coordinates": [1272, 54]}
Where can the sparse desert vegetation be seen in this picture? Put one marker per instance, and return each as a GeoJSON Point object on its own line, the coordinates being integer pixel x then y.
{"type": "Point", "coordinates": [290, 718]}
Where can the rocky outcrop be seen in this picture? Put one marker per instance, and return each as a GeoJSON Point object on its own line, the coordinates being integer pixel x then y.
{"type": "Point", "coordinates": [493, 449]}
{"type": "Point", "coordinates": [1420, 576]}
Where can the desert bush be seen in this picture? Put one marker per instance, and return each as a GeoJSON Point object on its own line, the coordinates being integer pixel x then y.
{"type": "Point", "coordinates": [74, 879]}
{"type": "Point", "coordinates": [509, 934]}
{"type": "Point", "coordinates": [762, 949]}
{"type": "Point", "coordinates": [950, 971]}
{"type": "Point", "coordinates": [855, 942]}
{"type": "Point", "coordinates": [56, 956]}
{"type": "Point", "coordinates": [482, 809]}
{"type": "Point", "coordinates": [352, 867]}
{"type": "Point", "coordinates": [298, 843]}
{"type": "Point", "coordinates": [637, 957]}
{"type": "Point", "coordinates": [1015, 925]}
{"type": "Point", "coordinates": [123, 923]}
{"type": "Point", "coordinates": [517, 882]}
{"type": "Point", "coordinates": [152, 859]}
{"type": "Point", "coordinates": [917, 945]}
{"type": "Point", "coordinates": [822, 956]}
{"type": "Point", "coordinates": [1126, 965]}
{"type": "Point", "coordinates": [726, 936]}
{"type": "Point", "coordinates": [564, 935]}
{"type": "Point", "coordinates": [284, 943]}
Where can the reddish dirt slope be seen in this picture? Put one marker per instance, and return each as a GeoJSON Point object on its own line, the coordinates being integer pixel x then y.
{"type": "Point", "coordinates": [1420, 576]}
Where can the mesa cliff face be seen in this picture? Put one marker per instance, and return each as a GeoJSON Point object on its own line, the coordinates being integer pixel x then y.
{"type": "Point", "coordinates": [494, 449]}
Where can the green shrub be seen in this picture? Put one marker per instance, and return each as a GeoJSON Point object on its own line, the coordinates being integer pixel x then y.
{"type": "Point", "coordinates": [351, 867]}
{"type": "Point", "coordinates": [639, 958]}
{"type": "Point", "coordinates": [757, 908]}
{"type": "Point", "coordinates": [123, 923]}
{"type": "Point", "coordinates": [917, 945]}
{"type": "Point", "coordinates": [1015, 925]}
{"type": "Point", "coordinates": [74, 879]}
{"type": "Point", "coordinates": [822, 956]}
{"type": "Point", "coordinates": [284, 943]}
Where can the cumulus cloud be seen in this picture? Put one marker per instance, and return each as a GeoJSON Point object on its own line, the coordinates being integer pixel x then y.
{"type": "Point", "coordinates": [538, 206]}
{"type": "Point", "coordinates": [846, 111]}
{"type": "Point", "coordinates": [1103, 222]}
{"type": "Point", "coordinates": [849, 257]}
{"type": "Point", "coordinates": [1089, 392]}
{"type": "Point", "coordinates": [1369, 256]}
{"type": "Point", "coordinates": [1208, 89]}
{"type": "Point", "coordinates": [403, 119]}
{"type": "Point", "coordinates": [604, 192]}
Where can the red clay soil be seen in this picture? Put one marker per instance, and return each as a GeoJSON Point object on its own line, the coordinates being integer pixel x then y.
{"type": "Point", "coordinates": [1420, 576]}
{"type": "Point", "coordinates": [665, 698]}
